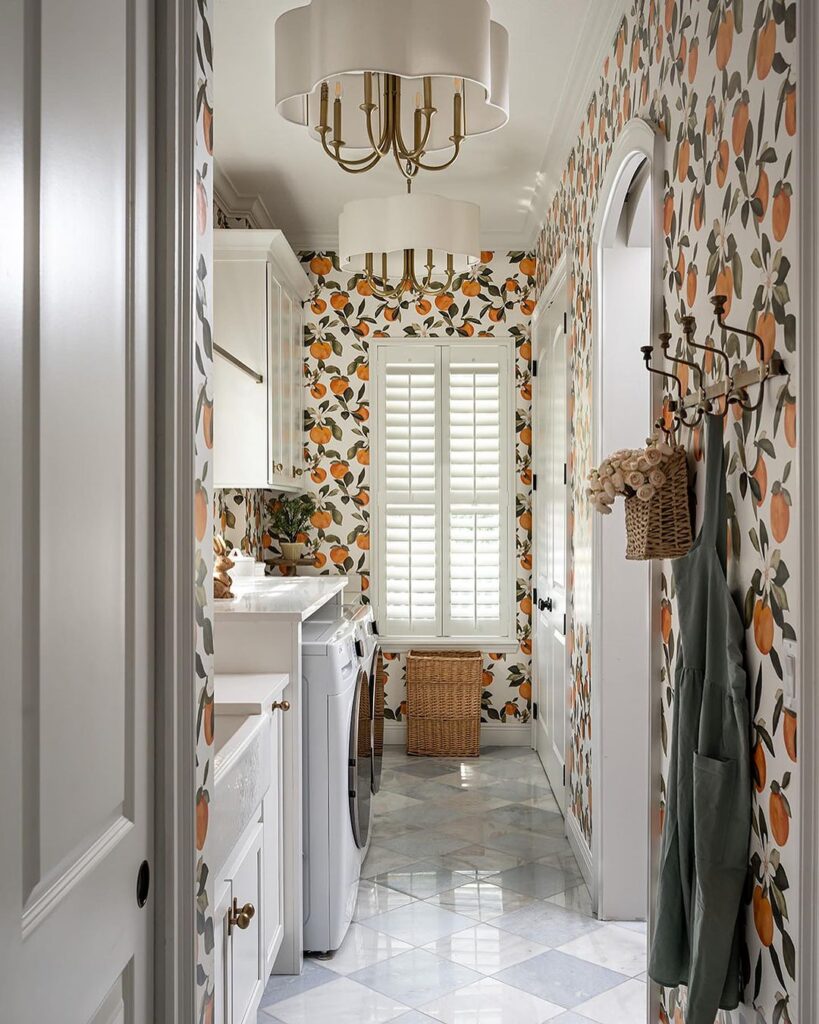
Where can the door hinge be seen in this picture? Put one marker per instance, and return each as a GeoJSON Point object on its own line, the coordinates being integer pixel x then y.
{"type": "Point", "coordinates": [534, 711]}
{"type": "Point", "coordinates": [565, 323]}
{"type": "Point", "coordinates": [564, 774]}
{"type": "Point", "coordinates": [534, 596]}
{"type": "Point", "coordinates": [565, 474]}
{"type": "Point", "coordinates": [534, 481]}
{"type": "Point", "coordinates": [534, 367]}
{"type": "Point", "coordinates": [564, 624]}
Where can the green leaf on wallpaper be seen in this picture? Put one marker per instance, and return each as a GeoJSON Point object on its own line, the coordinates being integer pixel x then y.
{"type": "Point", "coordinates": [749, 607]}
{"type": "Point", "coordinates": [736, 263]}
{"type": "Point", "coordinates": [775, 961]}
{"type": "Point", "coordinates": [738, 10]}
{"type": "Point", "coordinates": [757, 977]}
{"type": "Point", "coordinates": [777, 664]}
{"type": "Point", "coordinates": [207, 636]}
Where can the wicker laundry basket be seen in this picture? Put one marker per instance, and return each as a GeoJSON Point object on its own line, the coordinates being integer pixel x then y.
{"type": "Point", "coordinates": [444, 690]}
{"type": "Point", "coordinates": [661, 527]}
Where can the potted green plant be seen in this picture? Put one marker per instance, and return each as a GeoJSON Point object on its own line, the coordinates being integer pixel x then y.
{"type": "Point", "coordinates": [288, 518]}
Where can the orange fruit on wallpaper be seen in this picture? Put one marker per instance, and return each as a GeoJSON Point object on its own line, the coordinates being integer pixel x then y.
{"type": "Point", "coordinates": [722, 162]}
{"type": "Point", "coordinates": [790, 422]}
{"type": "Point", "coordinates": [510, 709]}
{"type": "Point", "coordinates": [781, 211]}
{"type": "Point", "coordinates": [321, 265]}
{"type": "Point", "coordinates": [668, 212]}
{"type": "Point", "coordinates": [526, 605]}
{"type": "Point", "coordinates": [760, 766]}
{"type": "Point", "coordinates": [487, 256]}
{"type": "Point", "coordinates": [318, 306]}
{"type": "Point", "coordinates": [725, 40]}
{"type": "Point", "coordinates": [362, 371]}
{"type": "Point", "coordinates": [207, 722]}
{"type": "Point", "coordinates": [763, 627]}
{"type": "Point", "coordinates": [391, 313]}
{"type": "Point", "coordinates": [763, 916]}
{"type": "Point", "coordinates": [207, 422]}
{"type": "Point", "coordinates": [740, 125]}
{"type": "Point", "coordinates": [496, 314]}
{"type": "Point", "coordinates": [487, 678]}
{"type": "Point", "coordinates": [526, 562]}
{"type": "Point", "coordinates": [526, 476]}
{"type": "Point", "coordinates": [320, 434]}
{"type": "Point", "coordinates": [338, 554]}
{"type": "Point", "coordinates": [760, 474]}
{"type": "Point", "coordinates": [779, 817]}
{"type": "Point", "coordinates": [320, 559]}
{"type": "Point", "coordinates": [691, 286]}
{"type": "Point", "coordinates": [780, 516]}
{"type": "Point", "coordinates": [338, 385]}
{"type": "Point", "coordinates": [466, 330]}
{"type": "Point", "coordinates": [526, 435]}
{"type": "Point", "coordinates": [765, 49]}
{"type": "Point", "coordinates": [362, 413]}
{"type": "Point", "coordinates": [525, 690]}
{"type": "Point", "coordinates": [200, 512]}
{"type": "Point", "coordinates": [710, 115]}
{"type": "Point", "coordinates": [318, 390]}
{"type": "Point", "coordinates": [789, 732]}
{"type": "Point", "coordinates": [338, 300]}
{"type": "Point", "coordinates": [790, 110]}
{"type": "Point", "coordinates": [365, 582]}
{"type": "Point", "coordinates": [511, 285]}
{"type": "Point", "coordinates": [766, 329]}
{"type": "Point", "coordinates": [526, 646]}
{"type": "Point", "coordinates": [528, 266]}
{"type": "Point", "coordinates": [321, 350]}
{"type": "Point", "coordinates": [201, 819]}
{"type": "Point", "coordinates": [363, 456]}
{"type": "Point", "coordinates": [619, 46]}
{"type": "Point", "coordinates": [525, 520]}
{"type": "Point", "coordinates": [321, 518]}
{"type": "Point", "coordinates": [423, 306]}
{"type": "Point", "coordinates": [725, 286]}
{"type": "Point", "coordinates": [444, 301]}
{"type": "Point", "coordinates": [361, 329]}
{"type": "Point", "coordinates": [363, 287]}
{"type": "Point", "coordinates": [665, 622]}
{"type": "Point", "coordinates": [669, 14]}
{"type": "Point", "coordinates": [362, 498]}
{"type": "Point", "coordinates": [363, 541]}
{"type": "Point", "coordinates": [471, 287]}
{"type": "Point", "coordinates": [762, 192]}
{"type": "Point", "coordinates": [525, 350]}
{"type": "Point", "coordinates": [338, 470]}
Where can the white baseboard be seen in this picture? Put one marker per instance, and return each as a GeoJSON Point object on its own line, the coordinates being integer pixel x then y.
{"type": "Point", "coordinates": [493, 734]}
{"type": "Point", "coordinates": [580, 848]}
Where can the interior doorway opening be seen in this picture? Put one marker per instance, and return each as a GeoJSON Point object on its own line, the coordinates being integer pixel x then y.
{"type": "Point", "coordinates": [625, 287]}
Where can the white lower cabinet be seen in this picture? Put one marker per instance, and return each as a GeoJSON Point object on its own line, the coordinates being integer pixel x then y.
{"type": "Point", "coordinates": [272, 825]}
{"type": "Point", "coordinates": [240, 971]}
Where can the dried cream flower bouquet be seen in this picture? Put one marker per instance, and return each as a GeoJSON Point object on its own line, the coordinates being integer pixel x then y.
{"type": "Point", "coordinates": [630, 472]}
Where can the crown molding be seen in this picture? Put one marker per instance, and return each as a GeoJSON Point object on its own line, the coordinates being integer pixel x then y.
{"type": "Point", "coordinates": [327, 241]}
{"type": "Point", "coordinates": [600, 27]}
{"type": "Point", "coordinates": [237, 205]}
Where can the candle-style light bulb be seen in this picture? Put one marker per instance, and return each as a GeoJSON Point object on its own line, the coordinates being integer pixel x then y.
{"type": "Point", "coordinates": [337, 115]}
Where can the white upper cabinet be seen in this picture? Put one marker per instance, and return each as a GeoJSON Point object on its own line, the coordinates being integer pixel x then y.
{"type": "Point", "coordinates": [259, 289]}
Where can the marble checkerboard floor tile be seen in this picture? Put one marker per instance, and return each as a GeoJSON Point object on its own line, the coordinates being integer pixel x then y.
{"type": "Point", "coordinates": [471, 909]}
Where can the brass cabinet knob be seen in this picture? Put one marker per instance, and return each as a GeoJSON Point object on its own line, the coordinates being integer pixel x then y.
{"type": "Point", "coordinates": [281, 705]}
{"type": "Point", "coordinates": [297, 471]}
{"type": "Point", "coordinates": [240, 917]}
{"type": "Point", "coordinates": [278, 467]}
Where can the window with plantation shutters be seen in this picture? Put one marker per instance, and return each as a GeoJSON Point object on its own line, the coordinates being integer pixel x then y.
{"type": "Point", "coordinates": [443, 485]}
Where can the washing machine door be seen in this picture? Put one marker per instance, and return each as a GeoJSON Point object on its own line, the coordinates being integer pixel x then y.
{"type": "Point", "coordinates": [378, 685]}
{"type": "Point", "coordinates": [360, 762]}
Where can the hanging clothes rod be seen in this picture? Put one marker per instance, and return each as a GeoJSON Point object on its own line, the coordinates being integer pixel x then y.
{"type": "Point", "coordinates": [238, 363]}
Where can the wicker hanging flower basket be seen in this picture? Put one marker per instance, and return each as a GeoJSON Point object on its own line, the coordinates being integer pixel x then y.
{"type": "Point", "coordinates": [661, 526]}
{"type": "Point", "coordinates": [654, 483]}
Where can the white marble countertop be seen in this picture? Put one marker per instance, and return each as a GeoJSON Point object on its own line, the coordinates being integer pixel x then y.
{"type": "Point", "coordinates": [286, 597]}
{"type": "Point", "coordinates": [248, 694]}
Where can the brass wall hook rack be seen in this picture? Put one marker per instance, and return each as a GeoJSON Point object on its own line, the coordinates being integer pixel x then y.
{"type": "Point", "coordinates": [660, 424]}
{"type": "Point", "coordinates": [732, 387]}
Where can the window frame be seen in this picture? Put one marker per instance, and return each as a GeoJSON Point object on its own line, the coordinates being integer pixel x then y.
{"type": "Point", "coordinates": [506, 642]}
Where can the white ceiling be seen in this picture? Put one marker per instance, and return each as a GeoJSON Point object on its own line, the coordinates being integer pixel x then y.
{"type": "Point", "coordinates": [556, 48]}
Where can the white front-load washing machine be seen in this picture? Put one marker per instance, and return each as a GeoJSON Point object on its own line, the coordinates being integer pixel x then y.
{"type": "Point", "coordinates": [337, 749]}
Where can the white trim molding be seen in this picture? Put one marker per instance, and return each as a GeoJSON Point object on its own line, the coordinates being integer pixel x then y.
{"type": "Point", "coordinates": [580, 848]}
{"type": "Point", "coordinates": [493, 734]}
{"type": "Point", "coordinates": [808, 439]}
{"type": "Point", "coordinates": [235, 204]}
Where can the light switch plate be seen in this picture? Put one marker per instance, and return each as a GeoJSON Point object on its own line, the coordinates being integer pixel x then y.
{"type": "Point", "coordinates": [790, 655]}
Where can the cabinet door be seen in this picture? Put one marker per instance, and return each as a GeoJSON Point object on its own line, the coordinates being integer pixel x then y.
{"type": "Point", "coordinates": [222, 995]}
{"type": "Point", "coordinates": [298, 390]}
{"type": "Point", "coordinates": [240, 335]}
{"type": "Point", "coordinates": [277, 368]}
{"type": "Point", "coordinates": [287, 398]}
{"type": "Point", "coordinates": [273, 813]}
{"type": "Point", "coordinates": [247, 960]}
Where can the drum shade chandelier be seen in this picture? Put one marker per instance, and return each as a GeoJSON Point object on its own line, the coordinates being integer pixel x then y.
{"type": "Point", "coordinates": [383, 239]}
{"type": "Point", "coordinates": [407, 78]}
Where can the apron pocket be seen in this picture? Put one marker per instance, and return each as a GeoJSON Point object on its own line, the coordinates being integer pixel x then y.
{"type": "Point", "coordinates": [715, 784]}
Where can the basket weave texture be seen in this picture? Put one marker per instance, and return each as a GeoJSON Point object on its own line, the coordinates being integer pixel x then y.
{"type": "Point", "coordinates": [661, 527]}
{"type": "Point", "coordinates": [444, 690]}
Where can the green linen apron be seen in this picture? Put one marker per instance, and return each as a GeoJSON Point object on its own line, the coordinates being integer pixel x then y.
{"type": "Point", "coordinates": [707, 829]}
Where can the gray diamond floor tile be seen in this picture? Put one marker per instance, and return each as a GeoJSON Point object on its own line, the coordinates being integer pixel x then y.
{"type": "Point", "coordinates": [283, 986]}
{"type": "Point", "coordinates": [416, 977]}
{"type": "Point", "coordinates": [425, 878]}
{"type": "Point", "coordinates": [561, 979]}
{"type": "Point", "coordinates": [547, 923]}
{"type": "Point", "coordinates": [540, 880]}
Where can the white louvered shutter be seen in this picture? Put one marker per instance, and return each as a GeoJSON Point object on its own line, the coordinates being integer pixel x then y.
{"type": "Point", "coordinates": [444, 489]}
{"type": "Point", "coordinates": [476, 563]}
{"type": "Point", "coordinates": [408, 481]}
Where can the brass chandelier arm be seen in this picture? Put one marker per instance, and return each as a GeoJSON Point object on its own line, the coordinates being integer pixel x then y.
{"type": "Point", "coordinates": [409, 279]}
{"type": "Point", "coordinates": [382, 147]}
{"type": "Point", "coordinates": [365, 163]}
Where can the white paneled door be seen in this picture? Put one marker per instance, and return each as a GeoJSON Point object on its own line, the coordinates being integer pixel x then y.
{"type": "Point", "coordinates": [550, 455]}
{"type": "Point", "coordinates": [76, 610]}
